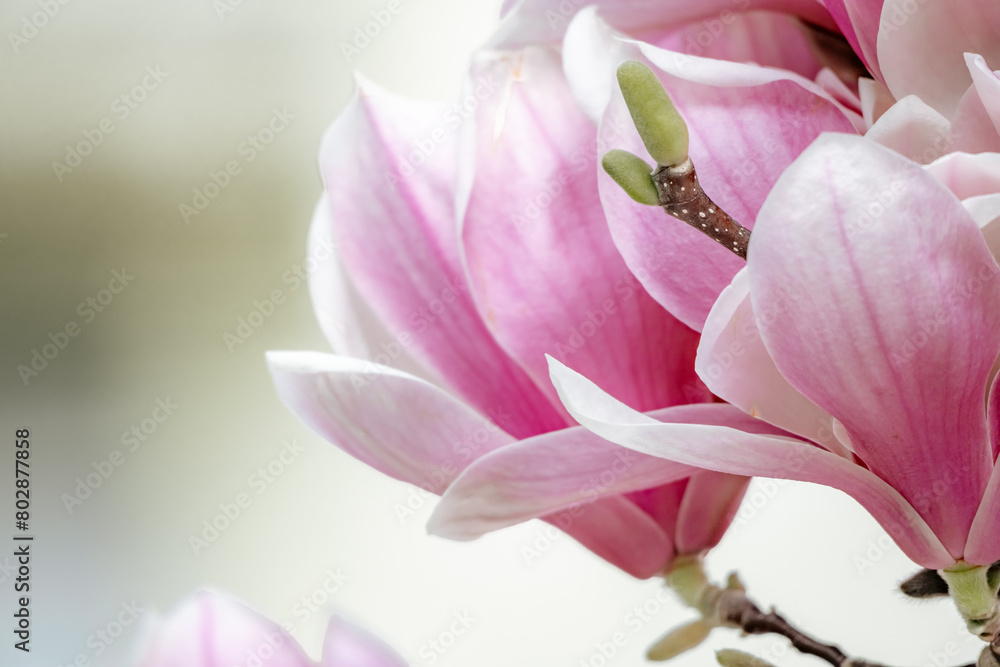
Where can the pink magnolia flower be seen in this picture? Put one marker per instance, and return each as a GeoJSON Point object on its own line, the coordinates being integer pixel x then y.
{"type": "Point", "coordinates": [866, 324]}
{"type": "Point", "coordinates": [213, 631]}
{"type": "Point", "coordinates": [473, 242]}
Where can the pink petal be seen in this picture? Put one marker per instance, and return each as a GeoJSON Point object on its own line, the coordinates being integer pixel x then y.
{"type": "Point", "coordinates": [717, 443]}
{"type": "Point", "coordinates": [347, 645]}
{"type": "Point", "coordinates": [921, 47]}
{"type": "Point", "coordinates": [734, 363]}
{"type": "Point", "coordinates": [545, 21]}
{"type": "Point", "coordinates": [389, 169]}
{"type": "Point", "coordinates": [711, 500]}
{"type": "Point", "coordinates": [619, 532]}
{"type": "Point", "coordinates": [396, 423]}
{"type": "Point", "coordinates": [972, 128]}
{"type": "Point", "coordinates": [892, 328]}
{"type": "Point", "coordinates": [544, 271]}
{"type": "Point", "coordinates": [213, 631]}
{"type": "Point", "coordinates": [746, 125]}
{"type": "Point", "coordinates": [549, 473]}
{"type": "Point", "coordinates": [912, 129]}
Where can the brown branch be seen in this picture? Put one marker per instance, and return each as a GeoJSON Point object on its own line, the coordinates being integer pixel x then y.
{"type": "Point", "coordinates": [682, 197]}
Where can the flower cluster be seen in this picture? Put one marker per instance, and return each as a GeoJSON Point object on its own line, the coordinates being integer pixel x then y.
{"type": "Point", "coordinates": [533, 322]}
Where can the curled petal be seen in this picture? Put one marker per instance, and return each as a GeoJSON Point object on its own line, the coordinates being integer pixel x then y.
{"type": "Point", "coordinates": [723, 439]}
{"type": "Point", "coordinates": [892, 328]}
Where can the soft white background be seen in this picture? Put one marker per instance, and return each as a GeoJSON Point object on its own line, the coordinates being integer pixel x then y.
{"type": "Point", "coordinates": [162, 337]}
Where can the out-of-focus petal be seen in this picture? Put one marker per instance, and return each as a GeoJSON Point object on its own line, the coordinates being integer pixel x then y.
{"type": "Point", "coordinates": [921, 47]}
{"type": "Point", "coordinates": [213, 631]}
{"type": "Point", "coordinates": [888, 332]}
{"type": "Point", "coordinates": [544, 271]}
{"type": "Point", "coordinates": [734, 363]}
{"type": "Point", "coordinates": [968, 175]}
{"type": "Point", "coordinates": [746, 124]}
{"type": "Point", "coordinates": [717, 443]}
{"type": "Point", "coordinates": [347, 645]}
{"type": "Point", "coordinates": [912, 129]}
{"type": "Point", "coordinates": [389, 168]}
{"type": "Point", "coordinates": [545, 21]}
{"type": "Point", "coordinates": [711, 500]}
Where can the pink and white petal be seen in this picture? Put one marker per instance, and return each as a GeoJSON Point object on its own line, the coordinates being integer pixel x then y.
{"type": "Point", "coordinates": [544, 271]}
{"type": "Point", "coordinates": [544, 21]}
{"type": "Point", "coordinates": [746, 124]}
{"type": "Point", "coordinates": [711, 500]}
{"type": "Point", "coordinates": [717, 442]}
{"type": "Point", "coordinates": [912, 129]}
{"type": "Point", "coordinates": [542, 475]}
{"type": "Point", "coordinates": [347, 645]}
{"type": "Point", "coordinates": [389, 168]}
{"type": "Point", "coordinates": [858, 20]}
{"type": "Point", "coordinates": [615, 529]}
{"type": "Point", "coordinates": [893, 328]}
{"type": "Point", "coordinates": [968, 175]}
{"type": "Point", "coordinates": [734, 363]}
{"type": "Point", "coordinates": [210, 630]}
{"type": "Point", "coordinates": [396, 423]}
{"type": "Point", "coordinates": [921, 48]}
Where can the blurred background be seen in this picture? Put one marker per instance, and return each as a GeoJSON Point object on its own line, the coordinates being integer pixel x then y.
{"type": "Point", "coordinates": [116, 303]}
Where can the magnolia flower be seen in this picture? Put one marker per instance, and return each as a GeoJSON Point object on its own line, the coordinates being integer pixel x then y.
{"type": "Point", "coordinates": [473, 242]}
{"type": "Point", "coordinates": [213, 631]}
